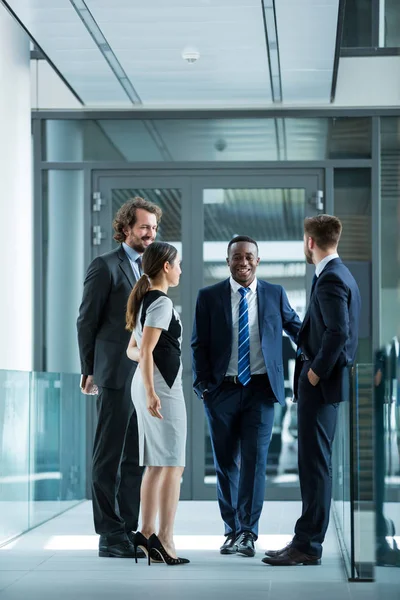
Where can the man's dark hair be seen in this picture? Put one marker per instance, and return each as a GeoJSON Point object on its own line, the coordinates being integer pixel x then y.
{"type": "Point", "coordinates": [126, 215]}
{"type": "Point", "coordinates": [242, 238]}
{"type": "Point", "coordinates": [325, 230]}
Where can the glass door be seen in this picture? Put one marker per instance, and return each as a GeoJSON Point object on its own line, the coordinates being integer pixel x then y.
{"type": "Point", "coordinates": [172, 195]}
{"type": "Point", "coordinates": [201, 213]}
{"type": "Point", "coordinates": [271, 210]}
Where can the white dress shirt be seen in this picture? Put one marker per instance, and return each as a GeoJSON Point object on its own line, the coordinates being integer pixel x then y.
{"type": "Point", "coordinates": [257, 363]}
{"type": "Point", "coordinates": [322, 264]}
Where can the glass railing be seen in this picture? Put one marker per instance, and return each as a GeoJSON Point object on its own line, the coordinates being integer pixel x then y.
{"type": "Point", "coordinates": [366, 469]}
{"type": "Point", "coordinates": [341, 480]}
{"type": "Point", "coordinates": [42, 448]}
{"type": "Point", "coordinates": [352, 473]}
{"type": "Point", "coordinates": [387, 460]}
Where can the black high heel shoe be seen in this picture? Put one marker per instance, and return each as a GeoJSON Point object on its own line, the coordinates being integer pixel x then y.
{"type": "Point", "coordinates": [154, 545]}
{"type": "Point", "coordinates": [140, 541]}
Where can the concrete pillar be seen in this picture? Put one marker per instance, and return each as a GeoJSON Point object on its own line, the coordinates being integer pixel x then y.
{"type": "Point", "coordinates": [65, 247]}
{"type": "Point", "coordinates": [16, 198]}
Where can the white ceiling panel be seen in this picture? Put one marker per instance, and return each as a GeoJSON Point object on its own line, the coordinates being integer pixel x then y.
{"type": "Point", "coordinates": [144, 40]}
{"type": "Point", "coordinates": [148, 38]}
{"type": "Point", "coordinates": [307, 39]}
{"type": "Point", "coordinates": [60, 32]}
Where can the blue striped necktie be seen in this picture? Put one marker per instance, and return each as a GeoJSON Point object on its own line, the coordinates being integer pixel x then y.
{"type": "Point", "coordinates": [244, 374]}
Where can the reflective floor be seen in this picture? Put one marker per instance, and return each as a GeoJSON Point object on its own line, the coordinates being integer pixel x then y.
{"type": "Point", "coordinates": [59, 560]}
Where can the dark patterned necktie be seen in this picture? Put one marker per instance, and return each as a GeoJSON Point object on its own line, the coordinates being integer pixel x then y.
{"type": "Point", "coordinates": [138, 261]}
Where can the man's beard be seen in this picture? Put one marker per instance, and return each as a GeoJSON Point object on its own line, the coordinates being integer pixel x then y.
{"type": "Point", "coordinates": [139, 245]}
{"type": "Point", "coordinates": [309, 257]}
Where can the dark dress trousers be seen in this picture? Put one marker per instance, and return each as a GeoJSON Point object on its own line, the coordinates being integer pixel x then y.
{"type": "Point", "coordinates": [103, 340]}
{"type": "Point", "coordinates": [328, 340]}
{"type": "Point", "coordinates": [240, 418]}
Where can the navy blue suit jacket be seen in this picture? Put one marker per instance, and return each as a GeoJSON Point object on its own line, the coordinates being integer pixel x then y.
{"type": "Point", "coordinates": [329, 334]}
{"type": "Point", "coordinates": [212, 334]}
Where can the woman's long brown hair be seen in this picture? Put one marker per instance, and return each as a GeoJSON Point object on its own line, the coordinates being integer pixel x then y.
{"type": "Point", "coordinates": [153, 261]}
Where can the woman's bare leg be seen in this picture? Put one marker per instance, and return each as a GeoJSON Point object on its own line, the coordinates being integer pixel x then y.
{"type": "Point", "coordinates": [150, 498]}
{"type": "Point", "coordinates": [169, 492]}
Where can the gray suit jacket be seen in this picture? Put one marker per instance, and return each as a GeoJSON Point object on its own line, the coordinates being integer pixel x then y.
{"type": "Point", "coordinates": [102, 336]}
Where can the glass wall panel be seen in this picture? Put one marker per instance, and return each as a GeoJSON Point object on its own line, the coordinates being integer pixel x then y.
{"type": "Point", "coordinates": [352, 201]}
{"type": "Point", "coordinates": [387, 361]}
{"type": "Point", "coordinates": [14, 453]}
{"type": "Point", "coordinates": [274, 217]}
{"type": "Point", "coordinates": [391, 28]}
{"type": "Point", "coordinates": [42, 448]}
{"type": "Point", "coordinates": [173, 140]}
{"type": "Point", "coordinates": [387, 458]}
{"type": "Point", "coordinates": [357, 28]}
{"type": "Point", "coordinates": [341, 480]}
{"type": "Point", "coordinates": [371, 23]}
{"type": "Point", "coordinates": [390, 228]}
{"type": "Point", "coordinates": [45, 447]}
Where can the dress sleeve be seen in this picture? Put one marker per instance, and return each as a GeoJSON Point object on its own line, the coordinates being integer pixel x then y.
{"type": "Point", "coordinates": [159, 313]}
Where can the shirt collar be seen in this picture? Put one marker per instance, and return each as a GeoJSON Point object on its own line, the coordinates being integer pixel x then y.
{"type": "Point", "coordinates": [235, 286]}
{"type": "Point", "coordinates": [322, 264]}
{"type": "Point", "coordinates": [130, 252]}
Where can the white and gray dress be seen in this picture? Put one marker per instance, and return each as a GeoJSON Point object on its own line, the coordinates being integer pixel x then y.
{"type": "Point", "coordinates": [162, 442]}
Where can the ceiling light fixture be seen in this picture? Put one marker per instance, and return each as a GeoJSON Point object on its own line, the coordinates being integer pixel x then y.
{"type": "Point", "coordinates": [191, 55]}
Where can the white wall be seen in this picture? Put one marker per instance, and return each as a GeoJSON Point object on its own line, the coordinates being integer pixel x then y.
{"type": "Point", "coordinates": [15, 197]}
{"type": "Point", "coordinates": [368, 81]}
{"type": "Point", "coordinates": [48, 90]}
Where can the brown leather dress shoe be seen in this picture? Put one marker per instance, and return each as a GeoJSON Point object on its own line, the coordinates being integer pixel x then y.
{"type": "Point", "coordinates": [290, 558]}
{"type": "Point", "coordinates": [278, 552]}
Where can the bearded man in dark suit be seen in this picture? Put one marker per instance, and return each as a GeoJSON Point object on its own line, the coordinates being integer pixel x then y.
{"type": "Point", "coordinates": [106, 370]}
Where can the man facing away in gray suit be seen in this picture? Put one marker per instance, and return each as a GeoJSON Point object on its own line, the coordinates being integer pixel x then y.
{"type": "Point", "coordinates": [106, 370]}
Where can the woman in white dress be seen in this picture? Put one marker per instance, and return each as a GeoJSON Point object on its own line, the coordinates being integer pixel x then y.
{"type": "Point", "coordinates": [158, 398]}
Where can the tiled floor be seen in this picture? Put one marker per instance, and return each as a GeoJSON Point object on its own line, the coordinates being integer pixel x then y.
{"type": "Point", "coordinates": [59, 560]}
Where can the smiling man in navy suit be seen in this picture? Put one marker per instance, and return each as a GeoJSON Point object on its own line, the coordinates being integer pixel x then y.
{"type": "Point", "coordinates": [328, 341]}
{"type": "Point", "coordinates": [238, 372]}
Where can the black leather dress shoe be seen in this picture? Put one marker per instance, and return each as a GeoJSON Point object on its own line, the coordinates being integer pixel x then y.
{"type": "Point", "coordinates": [122, 549]}
{"type": "Point", "coordinates": [139, 551]}
{"type": "Point", "coordinates": [274, 553]}
{"type": "Point", "coordinates": [290, 558]}
{"type": "Point", "coordinates": [229, 546]}
{"type": "Point", "coordinates": [245, 544]}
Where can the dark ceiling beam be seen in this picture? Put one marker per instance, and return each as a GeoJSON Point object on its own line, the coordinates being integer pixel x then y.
{"type": "Point", "coordinates": [338, 45]}
{"type": "Point", "coordinates": [104, 47]}
{"type": "Point", "coordinates": [272, 44]}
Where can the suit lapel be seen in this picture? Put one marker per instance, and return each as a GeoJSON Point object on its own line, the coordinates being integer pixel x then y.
{"type": "Point", "coordinates": [261, 306]}
{"type": "Point", "coordinates": [331, 264]}
{"type": "Point", "coordinates": [227, 304]}
{"type": "Point", "coordinates": [125, 267]}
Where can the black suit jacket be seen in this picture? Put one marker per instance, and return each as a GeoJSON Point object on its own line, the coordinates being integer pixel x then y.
{"type": "Point", "coordinates": [329, 334]}
{"type": "Point", "coordinates": [212, 334]}
{"type": "Point", "coordinates": [102, 336]}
